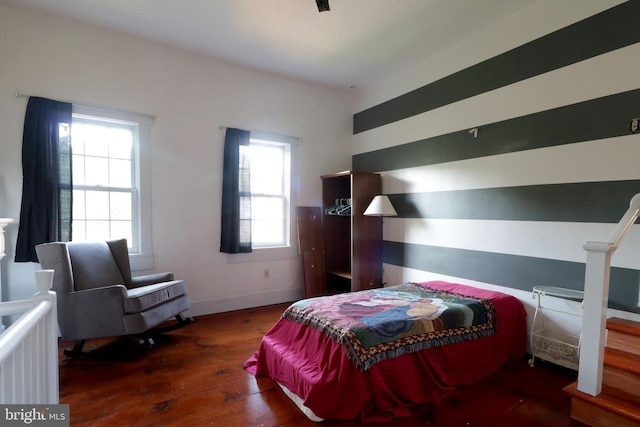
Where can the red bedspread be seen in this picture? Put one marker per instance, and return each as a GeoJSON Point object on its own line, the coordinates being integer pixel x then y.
{"type": "Point", "coordinates": [317, 369]}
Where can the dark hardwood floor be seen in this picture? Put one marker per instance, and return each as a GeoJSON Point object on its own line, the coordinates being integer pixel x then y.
{"type": "Point", "coordinates": [194, 377]}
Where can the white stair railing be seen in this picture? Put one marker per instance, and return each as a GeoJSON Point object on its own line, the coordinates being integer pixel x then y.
{"type": "Point", "coordinates": [596, 300]}
{"type": "Point", "coordinates": [29, 348]}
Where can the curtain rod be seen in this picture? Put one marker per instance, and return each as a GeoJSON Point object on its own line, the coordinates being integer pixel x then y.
{"type": "Point", "coordinates": [151, 116]}
{"type": "Point", "coordinates": [297, 138]}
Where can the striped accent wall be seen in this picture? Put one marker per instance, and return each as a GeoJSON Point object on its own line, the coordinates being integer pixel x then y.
{"type": "Point", "coordinates": [553, 165]}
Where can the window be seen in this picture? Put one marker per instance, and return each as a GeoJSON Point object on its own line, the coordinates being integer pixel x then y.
{"type": "Point", "coordinates": [104, 193]}
{"type": "Point", "coordinates": [111, 180]}
{"type": "Point", "coordinates": [270, 191]}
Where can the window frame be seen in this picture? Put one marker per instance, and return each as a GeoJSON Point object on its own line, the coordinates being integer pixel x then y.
{"type": "Point", "coordinates": [288, 251]}
{"type": "Point", "coordinates": [284, 196]}
{"type": "Point", "coordinates": [141, 252]}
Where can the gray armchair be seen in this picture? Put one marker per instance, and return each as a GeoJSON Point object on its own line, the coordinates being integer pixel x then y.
{"type": "Point", "coordinates": [98, 297]}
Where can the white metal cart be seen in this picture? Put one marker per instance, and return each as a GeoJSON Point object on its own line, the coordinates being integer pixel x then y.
{"type": "Point", "coordinates": [549, 343]}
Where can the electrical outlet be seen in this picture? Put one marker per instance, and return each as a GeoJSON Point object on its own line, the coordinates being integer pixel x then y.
{"type": "Point", "coordinates": [635, 124]}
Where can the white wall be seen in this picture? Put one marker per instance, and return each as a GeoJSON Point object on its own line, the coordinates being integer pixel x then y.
{"type": "Point", "coordinates": [192, 96]}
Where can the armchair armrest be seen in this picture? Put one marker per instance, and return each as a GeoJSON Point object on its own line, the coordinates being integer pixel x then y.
{"type": "Point", "coordinates": [93, 313]}
{"type": "Point", "coordinates": [150, 279]}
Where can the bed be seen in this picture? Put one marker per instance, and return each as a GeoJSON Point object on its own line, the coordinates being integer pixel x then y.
{"type": "Point", "coordinates": [371, 355]}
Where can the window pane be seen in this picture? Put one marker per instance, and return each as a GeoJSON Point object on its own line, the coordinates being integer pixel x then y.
{"type": "Point", "coordinates": [121, 230]}
{"type": "Point", "coordinates": [264, 208]}
{"type": "Point", "coordinates": [78, 206]}
{"type": "Point", "coordinates": [266, 183]}
{"type": "Point", "coordinates": [260, 234]}
{"type": "Point", "coordinates": [97, 230]}
{"type": "Point", "coordinates": [78, 136]}
{"type": "Point", "coordinates": [77, 169]}
{"type": "Point", "coordinates": [120, 206]}
{"type": "Point", "coordinates": [79, 229]}
{"type": "Point", "coordinates": [267, 221]}
{"type": "Point", "coordinates": [267, 169]}
{"type": "Point", "coordinates": [120, 143]}
{"type": "Point", "coordinates": [97, 205]}
{"type": "Point", "coordinates": [97, 171]}
{"type": "Point", "coordinates": [268, 232]}
{"type": "Point", "coordinates": [120, 173]}
{"type": "Point", "coordinates": [96, 142]}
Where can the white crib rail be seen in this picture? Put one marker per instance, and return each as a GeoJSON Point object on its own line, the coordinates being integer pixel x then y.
{"type": "Point", "coordinates": [29, 348]}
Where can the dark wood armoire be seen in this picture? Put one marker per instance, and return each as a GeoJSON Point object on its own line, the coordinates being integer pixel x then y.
{"type": "Point", "coordinates": [338, 239]}
{"type": "Point", "coordinates": [351, 241]}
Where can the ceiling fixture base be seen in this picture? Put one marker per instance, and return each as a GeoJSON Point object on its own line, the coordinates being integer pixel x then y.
{"type": "Point", "coordinates": [323, 5]}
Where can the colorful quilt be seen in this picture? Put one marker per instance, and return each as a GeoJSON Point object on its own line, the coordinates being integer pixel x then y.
{"type": "Point", "coordinates": [379, 324]}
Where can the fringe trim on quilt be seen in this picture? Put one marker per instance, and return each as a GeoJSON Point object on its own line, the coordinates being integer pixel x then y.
{"type": "Point", "coordinates": [371, 360]}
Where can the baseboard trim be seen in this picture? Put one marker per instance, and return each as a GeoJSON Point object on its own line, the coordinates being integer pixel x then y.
{"type": "Point", "coordinates": [241, 302]}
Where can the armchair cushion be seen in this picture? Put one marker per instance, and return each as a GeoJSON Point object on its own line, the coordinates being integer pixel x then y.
{"type": "Point", "coordinates": [149, 296]}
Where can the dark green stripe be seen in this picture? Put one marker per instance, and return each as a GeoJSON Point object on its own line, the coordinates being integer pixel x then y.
{"type": "Point", "coordinates": [609, 30]}
{"type": "Point", "coordinates": [603, 202]}
{"type": "Point", "coordinates": [599, 118]}
{"type": "Point", "coordinates": [512, 271]}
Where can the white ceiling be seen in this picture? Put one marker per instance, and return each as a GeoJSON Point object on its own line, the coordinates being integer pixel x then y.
{"type": "Point", "coordinates": [356, 43]}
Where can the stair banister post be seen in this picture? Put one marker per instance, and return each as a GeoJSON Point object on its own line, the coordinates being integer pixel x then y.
{"type": "Point", "coordinates": [3, 223]}
{"type": "Point", "coordinates": [49, 343]}
{"type": "Point", "coordinates": [594, 317]}
{"type": "Point", "coordinates": [596, 301]}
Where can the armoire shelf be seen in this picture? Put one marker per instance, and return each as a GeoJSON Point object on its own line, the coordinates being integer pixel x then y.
{"type": "Point", "coordinates": [351, 242]}
{"type": "Point", "coordinates": [343, 274]}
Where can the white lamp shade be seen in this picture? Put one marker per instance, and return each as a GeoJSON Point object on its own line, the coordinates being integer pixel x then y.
{"type": "Point", "coordinates": [380, 206]}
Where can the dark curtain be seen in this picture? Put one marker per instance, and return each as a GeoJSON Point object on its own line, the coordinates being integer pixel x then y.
{"type": "Point", "coordinates": [45, 213]}
{"type": "Point", "coordinates": [235, 236]}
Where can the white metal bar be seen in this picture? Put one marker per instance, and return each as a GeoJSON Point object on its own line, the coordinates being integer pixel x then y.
{"type": "Point", "coordinates": [150, 116]}
{"type": "Point", "coordinates": [270, 135]}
